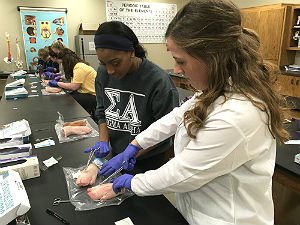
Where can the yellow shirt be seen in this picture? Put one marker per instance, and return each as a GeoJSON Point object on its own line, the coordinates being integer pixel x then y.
{"type": "Point", "coordinates": [85, 76]}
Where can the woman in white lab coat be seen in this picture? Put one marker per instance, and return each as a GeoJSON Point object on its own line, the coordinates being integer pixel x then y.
{"type": "Point", "coordinates": [225, 136]}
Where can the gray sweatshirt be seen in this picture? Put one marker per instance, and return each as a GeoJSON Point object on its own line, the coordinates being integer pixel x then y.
{"type": "Point", "coordinates": [131, 104]}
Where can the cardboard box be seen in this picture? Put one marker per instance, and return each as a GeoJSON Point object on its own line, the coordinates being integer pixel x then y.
{"type": "Point", "coordinates": [15, 151]}
{"type": "Point", "coordinates": [16, 93]}
{"type": "Point", "coordinates": [15, 84]}
{"type": "Point", "coordinates": [27, 167]}
{"type": "Point", "coordinates": [88, 28]}
{"type": "Point", "coordinates": [297, 158]}
{"type": "Point", "coordinates": [15, 129]}
{"type": "Point", "coordinates": [18, 74]}
{"type": "Point", "coordinates": [13, 197]}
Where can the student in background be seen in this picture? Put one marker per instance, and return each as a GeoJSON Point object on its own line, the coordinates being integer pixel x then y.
{"type": "Point", "coordinates": [52, 54]}
{"type": "Point", "coordinates": [80, 77]}
{"type": "Point", "coordinates": [57, 46]}
{"type": "Point", "coordinates": [132, 92]}
{"type": "Point", "coordinates": [45, 63]}
{"type": "Point", "coordinates": [225, 135]}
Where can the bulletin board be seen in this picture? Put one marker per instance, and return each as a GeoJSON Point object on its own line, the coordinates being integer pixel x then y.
{"type": "Point", "coordinates": [40, 28]}
{"type": "Point", "coordinates": [148, 20]}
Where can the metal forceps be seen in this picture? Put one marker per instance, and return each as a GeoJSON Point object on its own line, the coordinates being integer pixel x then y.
{"type": "Point", "coordinates": [90, 158]}
{"type": "Point", "coordinates": [57, 201]}
{"type": "Point", "coordinates": [112, 175]}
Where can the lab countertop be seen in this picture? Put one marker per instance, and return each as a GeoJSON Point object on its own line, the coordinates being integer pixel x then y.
{"type": "Point", "coordinates": [41, 113]}
{"type": "Point", "coordinates": [285, 154]}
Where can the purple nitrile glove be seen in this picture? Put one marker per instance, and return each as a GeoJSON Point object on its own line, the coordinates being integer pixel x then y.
{"type": "Point", "coordinates": [58, 77]}
{"type": "Point", "coordinates": [50, 69]}
{"type": "Point", "coordinates": [53, 83]}
{"type": "Point", "coordinates": [55, 75]}
{"type": "Point", "coordinates": [51, 76]}
{"type": "Point", "coordinates": [101, 149]}
{"type": "Point", "coordinates": [48, 75]}
{"type": "Point", "coordinates": [123, 181]}
{"type": "Point", "coordinates": [125, 159]}
{"type": "Point", "coordinates": [110, 170]}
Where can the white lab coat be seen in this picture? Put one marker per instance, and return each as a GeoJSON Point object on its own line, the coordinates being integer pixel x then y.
{"type": "Point", "coordinates": [222, 177]}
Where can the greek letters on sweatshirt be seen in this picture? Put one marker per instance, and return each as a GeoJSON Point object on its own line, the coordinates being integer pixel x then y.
{"type": "Point", "coordinates": [131, 104]}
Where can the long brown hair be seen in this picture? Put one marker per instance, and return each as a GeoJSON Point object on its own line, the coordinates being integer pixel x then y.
{"type": "Point", "coordinates": [211, 30]}
{"type": "Point", "coordinates": [69, 60]}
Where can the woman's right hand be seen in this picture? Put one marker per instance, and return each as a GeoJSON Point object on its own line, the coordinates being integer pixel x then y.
{"type": "Point", "coordinates": [103, 192]}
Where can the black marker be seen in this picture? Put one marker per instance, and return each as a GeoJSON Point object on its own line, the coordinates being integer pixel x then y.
{"type": "Point", "coordinates": [50, 212]}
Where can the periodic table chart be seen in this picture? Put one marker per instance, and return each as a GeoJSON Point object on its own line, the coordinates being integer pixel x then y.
{"type": "Point", "coordinates": [149, 21]}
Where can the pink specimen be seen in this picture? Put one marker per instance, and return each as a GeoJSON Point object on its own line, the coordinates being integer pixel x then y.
{"type": "Point", "coordinates": [78, 130]}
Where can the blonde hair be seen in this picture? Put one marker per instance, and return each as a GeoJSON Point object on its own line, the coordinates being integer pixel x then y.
{"type": "Point", "coordinates": [211, 30]}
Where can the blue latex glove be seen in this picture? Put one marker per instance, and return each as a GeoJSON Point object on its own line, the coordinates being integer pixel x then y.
{"type": "Point", "coordinates": [125, 159]}
{"type": "Point", "coordinates": [58, 77]}
{"type": "Point", "coordinates": [50, 69]}
{"type": "Point", "coordinates": [102, 149]}
{"type": "Point", "coordinates": [123, 181]}
{"type": "Point", "coordinates": [48, 75]}
{"type": "Point", "coordinates": [51, 76]}
{"type": "Point", "coordinates": [53, 83]}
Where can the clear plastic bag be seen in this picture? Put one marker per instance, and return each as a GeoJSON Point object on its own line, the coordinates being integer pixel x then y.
{"type": "Point", "coordinates": [44, 92]}
{"type": "Point", "coordinates": [15, 129]}
{"type": "Point", "coordinates": [79, 197]}
{"type": "Point", "coordinates": [60, 132]}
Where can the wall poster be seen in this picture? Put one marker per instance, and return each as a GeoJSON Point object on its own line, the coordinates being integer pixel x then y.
{"type": "Point", "coordinates": [40, 28]}
{"type": "Point", "coordinates": [148, 20]}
